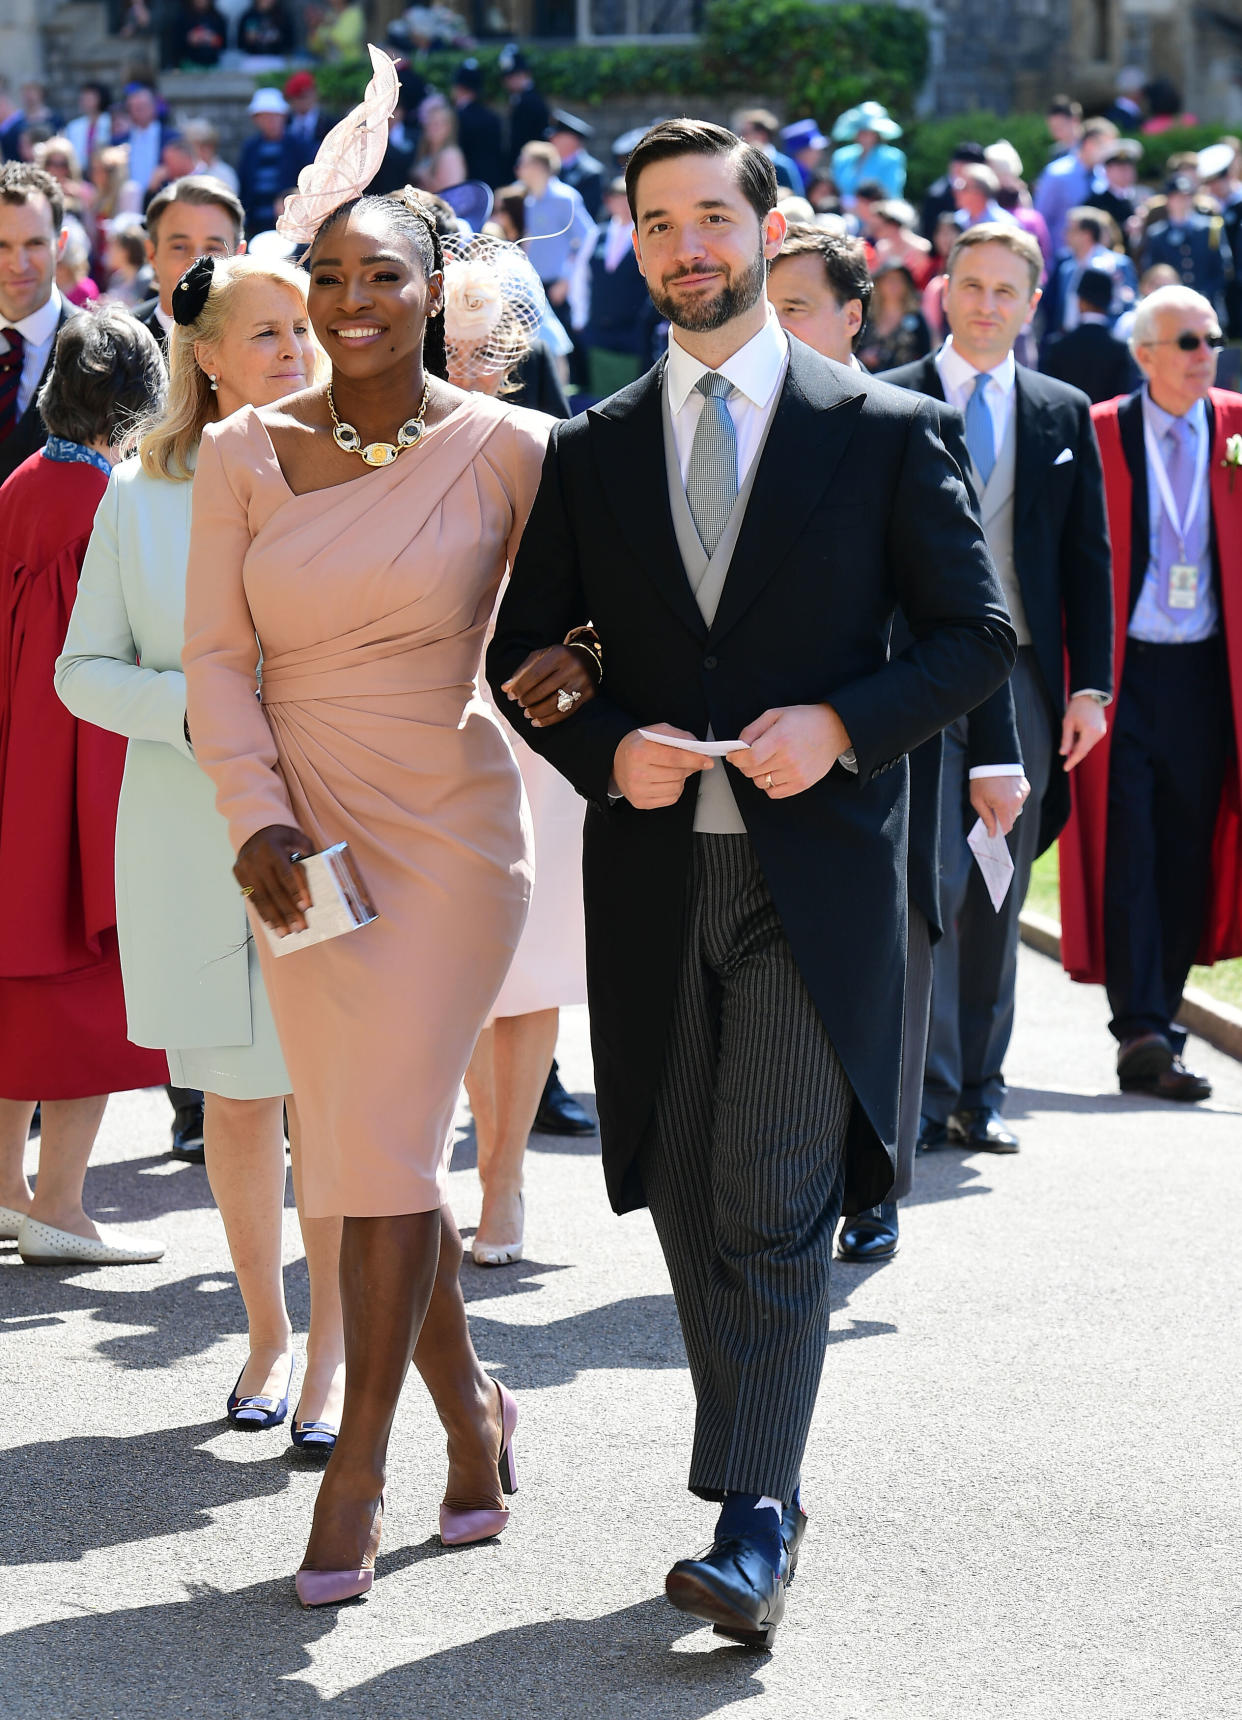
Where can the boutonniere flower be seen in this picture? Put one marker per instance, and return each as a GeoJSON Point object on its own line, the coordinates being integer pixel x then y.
{"type": "Point", "coordinates": [1233, 458]}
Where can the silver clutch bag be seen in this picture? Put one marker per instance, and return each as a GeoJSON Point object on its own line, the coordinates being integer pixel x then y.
{"type": "Point", "coordinates": [339, 900]}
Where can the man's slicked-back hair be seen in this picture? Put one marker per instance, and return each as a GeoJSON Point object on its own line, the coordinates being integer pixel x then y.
{"type": "Point", "coordinates": [202, 191]}
{"type": "Point", "coordinates": [756, 176]}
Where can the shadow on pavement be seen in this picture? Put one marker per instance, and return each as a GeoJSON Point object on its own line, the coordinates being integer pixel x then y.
{"type": "Point", "coordinates": [245, 1654]}
{"type": "Point", "coordinates": [1025, 1101]}
{"type": "Point", "coordinates": [94, 1491]}
{"type": "Point", "coordinates": [636, 1332]}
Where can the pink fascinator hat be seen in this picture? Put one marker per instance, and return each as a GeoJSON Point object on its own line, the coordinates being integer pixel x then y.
{"type": "Point", "coordinates": [348, 158]}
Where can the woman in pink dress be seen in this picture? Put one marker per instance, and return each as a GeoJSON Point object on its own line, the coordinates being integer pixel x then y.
{"type": "Point", "coordinates": [355, 536]}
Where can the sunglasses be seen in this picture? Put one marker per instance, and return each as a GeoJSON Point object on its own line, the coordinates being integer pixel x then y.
{"type": "Point", "coordinates": [1188, 342]}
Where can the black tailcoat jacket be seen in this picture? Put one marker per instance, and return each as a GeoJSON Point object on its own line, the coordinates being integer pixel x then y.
{"type": "Point", "coordinates": [1061, 557]}
{"type": "Point", "coordinates": [856, 508]}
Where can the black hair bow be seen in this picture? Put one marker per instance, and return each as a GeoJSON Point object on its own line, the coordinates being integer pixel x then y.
{"type": "Point", "coordinates": [190, 293]}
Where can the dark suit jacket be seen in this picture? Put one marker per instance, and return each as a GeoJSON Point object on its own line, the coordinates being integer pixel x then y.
{"type": "Point", "coordinates": [1092, 358]}
{"type": "Point", "coordinates": [145, 314]}
{"type": "Point", "coordinates": [856, 509]}
{"type": "Point", "coordinates": [1061, 555]}
{"type": "Point", "coordinates": [30, 433]}
{"type": "Point", "coordinates": [481, 138]}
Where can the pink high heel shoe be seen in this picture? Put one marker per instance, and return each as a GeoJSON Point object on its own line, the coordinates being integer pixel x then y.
{"type": "Point", "coordinates": [326, 1588]}
{"type": "Point", "coordinates": [459, 1527]}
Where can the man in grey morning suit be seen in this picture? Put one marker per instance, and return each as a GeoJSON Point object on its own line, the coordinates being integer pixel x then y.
{"type": "Point", "coordinates": [739, 525]}
{"type": "Point", "coordinates": [1036, 470]}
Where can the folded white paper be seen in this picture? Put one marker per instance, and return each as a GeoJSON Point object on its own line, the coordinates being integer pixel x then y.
{"type": "Point", "coordinates": [339, 900]}
{"type": "Point", "coordinates": [993, 859]}
{"type": "Point", "coordinates": [709, 749]}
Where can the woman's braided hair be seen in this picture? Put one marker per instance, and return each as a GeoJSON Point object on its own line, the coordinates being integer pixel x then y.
{"type": "Point", "coordinates": [407, 217]}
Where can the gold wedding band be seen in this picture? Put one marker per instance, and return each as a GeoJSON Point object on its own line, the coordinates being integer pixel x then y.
{"type": "Point", "coordinates": [768, 783]}
{"type": "Point", "coordinates": [247, 889]}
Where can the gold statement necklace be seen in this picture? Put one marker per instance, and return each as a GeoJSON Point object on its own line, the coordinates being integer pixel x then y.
{"type": "Point", "coordinates": [378, 453]}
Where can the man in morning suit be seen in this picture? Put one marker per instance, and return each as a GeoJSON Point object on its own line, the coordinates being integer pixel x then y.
{"type": "Point", "coordinates": [1089, 355]}
{"type": "Point", "coordinates": [820, 287]}
{"type": "Point", "coordinates": [739, 524]}
{"type": "Point", "coordinates": [1151, 862]}
{"type": "Point", "coordinates": [32, 311]}
{"type": "Point", "coordinates": [1036, 470]}
{"type": "Point", "coordinates": [191, 218]}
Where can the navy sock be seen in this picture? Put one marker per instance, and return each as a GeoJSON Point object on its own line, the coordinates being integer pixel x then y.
{"type": "Point", "coordinates": [738, 1516]}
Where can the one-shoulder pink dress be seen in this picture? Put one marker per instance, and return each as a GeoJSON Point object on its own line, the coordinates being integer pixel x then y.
{"type": "Point", "coordinates": [368, 604]}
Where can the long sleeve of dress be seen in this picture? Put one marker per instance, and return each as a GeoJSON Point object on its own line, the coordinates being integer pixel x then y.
{"type": "Point", "coordinates": [98, 675]}
{"type": "Point", "coordinates": [230, 734]}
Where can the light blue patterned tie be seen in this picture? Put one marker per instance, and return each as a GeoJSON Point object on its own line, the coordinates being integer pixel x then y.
{"type": "Point", "coordinates": [980, 436]}
{"type": "Point", "coordinates": [711, 480]}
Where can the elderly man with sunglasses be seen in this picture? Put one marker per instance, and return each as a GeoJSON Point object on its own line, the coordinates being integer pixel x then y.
{"type": "Point", "coordinates": [1151, 862]}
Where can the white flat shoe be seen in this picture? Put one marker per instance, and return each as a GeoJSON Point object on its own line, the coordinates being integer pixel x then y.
{"type": "Point", "coordinates": [43, 1245]}
{"type": "Point", "coordinates": [10, 1223]}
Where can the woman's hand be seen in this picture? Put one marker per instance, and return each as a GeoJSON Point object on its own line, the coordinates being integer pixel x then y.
{"type": "Point", "coordinates": [271, 881]}
{"type": "Point", "coordinates": [543, 675]}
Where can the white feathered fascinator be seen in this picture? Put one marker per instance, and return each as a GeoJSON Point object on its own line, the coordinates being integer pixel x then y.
{"type": "Point", "coordinates": [348, 158]}
{"type": "Point", "coordinates": [493, 305]}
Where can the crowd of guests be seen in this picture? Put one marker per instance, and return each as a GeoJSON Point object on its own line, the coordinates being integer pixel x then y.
{"type": "Point", "coordinates": [180, 473]}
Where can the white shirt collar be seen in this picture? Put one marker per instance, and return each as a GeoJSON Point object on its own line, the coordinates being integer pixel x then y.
{"type": "Point", "coordinates": [755, 369]}
{"type": "Point", "coordinates": [164, 319]}
{"type": "Point", "coordinates": [39, 327]}
{"type": "Point", "coordinates": [958, 373]}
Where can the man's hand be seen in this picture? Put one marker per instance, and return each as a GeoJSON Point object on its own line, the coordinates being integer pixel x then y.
{"type": "Point", "coordinates": [649, 775]}
{"type": "Point", "coordinates": [1082, 726]}
{"type": "Point", "coordinates": [268, 876]}
{"type": "Point", "coordinates": [998, 801]}
{"type": "Point", "coordinates": [791, 748]}
{"type": "Point", "coordinates": [542, 676]}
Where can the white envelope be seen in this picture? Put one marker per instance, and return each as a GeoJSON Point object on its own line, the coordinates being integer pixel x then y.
{"type": "Point", "coordinates": [709, 749]}
{"type": "Point", "coordinates": [1063, 456]}
{"type": "Point", "coordinates": [993, 859]}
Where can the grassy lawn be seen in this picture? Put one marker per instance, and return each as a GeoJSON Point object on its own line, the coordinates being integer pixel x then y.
{"type": "Point", "coordinates": [1223, 981]}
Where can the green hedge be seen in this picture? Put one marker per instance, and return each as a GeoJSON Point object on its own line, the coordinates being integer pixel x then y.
{"type": "Point", "coordinates": [805, 58]}
{"type": "Point", "coordinates": [928, 143]}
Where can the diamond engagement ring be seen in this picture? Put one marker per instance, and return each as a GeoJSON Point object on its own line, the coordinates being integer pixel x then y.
{"type": "Point", "coordinates": [565, 701]}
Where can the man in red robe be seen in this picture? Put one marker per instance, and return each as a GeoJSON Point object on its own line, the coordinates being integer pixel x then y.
{"type": "Point", "coordinates": [1151, 861]}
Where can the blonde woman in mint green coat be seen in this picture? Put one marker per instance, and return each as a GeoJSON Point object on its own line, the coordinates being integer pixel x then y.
{"type": "Point", "coordinates": [192, 981]}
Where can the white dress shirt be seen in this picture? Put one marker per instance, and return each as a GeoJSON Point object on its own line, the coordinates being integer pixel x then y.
{"type": "Point", "coordinates": [145, 143]}
{"type": "Point", "coordinates": [756, 371]}
{"type": "Point", "coordinates": [957, 378]}
{"type": "Point", "coordinates": [38, 330]}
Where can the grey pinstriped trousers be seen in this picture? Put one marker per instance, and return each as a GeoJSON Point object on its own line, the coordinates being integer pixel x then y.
{"type": "Point", "coordinates": [743, 1170]}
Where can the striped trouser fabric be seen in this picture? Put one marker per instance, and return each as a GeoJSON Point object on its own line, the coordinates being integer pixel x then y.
{"type": "Point", "coordinates": [743, 1170]}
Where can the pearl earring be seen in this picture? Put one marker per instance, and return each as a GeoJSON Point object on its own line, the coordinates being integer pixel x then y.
{"type": "Point", "coordinates": [214, 389]}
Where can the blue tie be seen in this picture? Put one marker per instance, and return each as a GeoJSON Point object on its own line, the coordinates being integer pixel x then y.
{"type": "Point", "coordinates": [980, 437]}
{"type": "Point", "coordinates": [711, 478]}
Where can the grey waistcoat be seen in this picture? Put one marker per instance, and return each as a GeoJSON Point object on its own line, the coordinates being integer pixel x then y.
{"type": "Point", "coordinates": [715, 810]}
{"type": "Point", "coordinates": [996, 516]}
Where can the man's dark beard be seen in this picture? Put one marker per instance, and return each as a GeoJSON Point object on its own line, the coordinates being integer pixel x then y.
{"type": "Point", "coordinates": [736, 297]}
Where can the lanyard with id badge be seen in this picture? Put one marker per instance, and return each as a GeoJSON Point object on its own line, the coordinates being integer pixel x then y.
{"type": "Point", "coordinates": [1183, 573]}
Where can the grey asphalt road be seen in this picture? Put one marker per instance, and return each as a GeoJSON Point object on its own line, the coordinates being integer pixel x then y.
{"type": "Point", "coordinates": [1023, 1473]}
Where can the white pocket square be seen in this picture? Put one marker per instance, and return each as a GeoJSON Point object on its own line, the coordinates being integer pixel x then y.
{"type": "Point", "coordinates": [1063, 456]}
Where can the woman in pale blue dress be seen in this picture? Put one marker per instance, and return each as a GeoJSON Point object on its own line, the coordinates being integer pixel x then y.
{"type": "Point", "coordinates": [192, 981]}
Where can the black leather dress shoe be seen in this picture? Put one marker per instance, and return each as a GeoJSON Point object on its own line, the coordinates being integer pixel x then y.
{"type": "Point", "coordinates": [1176, 1082]}
{"type": "Point", "coordinates": [870, 1235]}
{"type": "Point", "coordinates": [983, 1130]}
{"type": "Point", "coordinates": [733, 1587]}
{"type": "Point", "coordinates": [187, 1134]}
{"type": "Point", "coordinates": [932, 1135]}
{"type": "Point", "coordinates": [559, 1112]}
